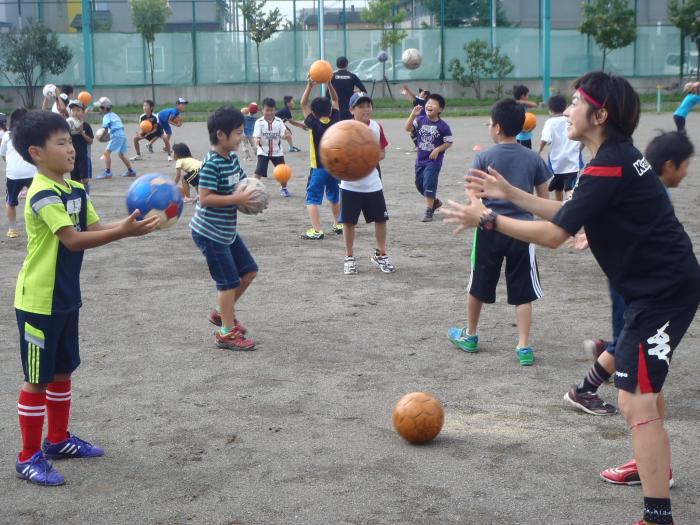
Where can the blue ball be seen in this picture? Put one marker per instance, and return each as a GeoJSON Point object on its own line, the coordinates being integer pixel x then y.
{"type": "Point", "coordinates": [383, 56]}
{"type": "Point", "coordinates": [155, 194]}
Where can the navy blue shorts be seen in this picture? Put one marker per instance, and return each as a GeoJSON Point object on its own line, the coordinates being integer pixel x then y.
{"type": "Point", "coordinates": [14, 187]}
{"type": "Point", "coordinates": [48, 345]}
{"type": "Point", "coordinates": [427, 179]}
{"type": "Point", "coordinates": [320, 180]}
{"type": "Point", "coordinates": [264, 160]}
{"type": "Point", "coordinates": [227, 262]}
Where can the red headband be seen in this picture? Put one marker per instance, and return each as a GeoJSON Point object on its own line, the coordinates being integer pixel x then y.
{"type": "Point", "coordinates": [593, 102]}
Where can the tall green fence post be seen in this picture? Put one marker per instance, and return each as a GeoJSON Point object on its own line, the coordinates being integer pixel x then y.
{"type": "Point", "coordinates": [442, 39]}
{"type": "Point", "coordinates": [294, 29]}
{"type": "Point", "coordinates": [86, 18]}
{"type": "Point", "coordinates": [194, 45]}
{"type": "Point", "coordinates": [546, 47]}
{"type": "Point", "coordinates": [345, 31]}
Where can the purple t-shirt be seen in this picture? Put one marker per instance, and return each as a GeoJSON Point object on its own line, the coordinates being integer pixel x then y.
{"type": "Point", "coordinates": [430, 135]}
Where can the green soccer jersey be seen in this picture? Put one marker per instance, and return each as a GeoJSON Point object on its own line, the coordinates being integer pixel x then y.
{"type": "Point", "coordinates": [49, 281]}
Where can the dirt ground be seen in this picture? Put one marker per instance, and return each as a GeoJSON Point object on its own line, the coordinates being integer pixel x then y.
{"type": "Point", "coordinates": [300, 430]}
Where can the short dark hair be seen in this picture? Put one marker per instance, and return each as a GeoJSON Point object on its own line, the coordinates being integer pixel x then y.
{"type": "Point", "coordinates": [437, 98]}
{"type": "Point", "coordinates": [16, 116]}
{"type": "Point", "coordinates": [35, 129]}
{"type": "Point", "coordinates": [619, 99]}
{"type": "Point", "coordinates": [67, 89]}
{"type": "Point", "coordinates": [672, 145]}
{"type": "Point", "coordinates": [321, 107]}
{"type": "Point", "coordinates": [509, 115]}
{"type": "Point", "coordinates": [342, 62]}
{"type": "Point", "coordinates": [149, 102]}
{"type": "Point", "coordinates": [288, 99]}
{"type": "Point", "coordinates": [224, 119]}
{"type": "Point", "coordinates": [519, 91]}
{"type": "Point", "coordinates": [181, 150]}
{"type": "Point", "coordinates": [556, 104]}
{"type": "Point", "coordinates": [269, 103]}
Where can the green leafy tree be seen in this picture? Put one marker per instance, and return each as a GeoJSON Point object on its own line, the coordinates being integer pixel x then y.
{"type": "Point", "coordinates": [686, 17]}
{"type": "Point", "coordinates": [27, 55]}
{"type": "Point", "coordinates": [260, 26]}
{"type": "Point", "coordinates": [481, 63]}
{"type": "Point", "coordinates": [611, 24]}
{"type": "Point", "coordinates": [385, 14]}
{"type": "Point", "coordinates": [474, 13]}
{"type": "Point", "coordinates": [149, 17]}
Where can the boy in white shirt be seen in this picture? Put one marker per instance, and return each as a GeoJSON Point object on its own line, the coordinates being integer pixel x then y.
{"type": "Point", "coordinates": [365, 195]}
{"type": "Point", "coordinates": [268, 134]}
{"type": "Point", "coordinates": [565, 159]}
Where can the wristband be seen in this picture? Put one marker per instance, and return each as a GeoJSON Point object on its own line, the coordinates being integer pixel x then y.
{"type": "Point", "coordinates": [487, 220]}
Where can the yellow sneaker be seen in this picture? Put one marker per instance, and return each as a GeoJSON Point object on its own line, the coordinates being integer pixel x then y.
{"type": "Point", "coordinates": [313, 235]}
{"type": "Point", "coordinates": [338, 229]}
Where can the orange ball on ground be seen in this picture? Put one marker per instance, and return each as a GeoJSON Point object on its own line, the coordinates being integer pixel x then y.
{"type": "Point", "coordinates": [418, 417]}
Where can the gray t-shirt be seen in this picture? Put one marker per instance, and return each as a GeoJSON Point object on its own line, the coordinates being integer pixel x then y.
{"type": "Point", "coordinates": [520, 166]}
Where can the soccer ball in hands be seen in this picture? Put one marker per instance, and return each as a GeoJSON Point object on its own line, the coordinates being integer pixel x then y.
{"type": "Point", "coordinates": [155, 194]}
{"type": "Point", "coordinates": [260, 198]}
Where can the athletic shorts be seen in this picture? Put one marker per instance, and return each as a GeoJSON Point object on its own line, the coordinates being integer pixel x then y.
{"type": "Point", "coordinates": [527, 143]}
{"type": "Point", "coordinates": [319, 181]}
{"type": "Point", "coordinates": [372, 206]}
{"type": "Point", "coordinates": [645, 348]}
{"type": "Point", "coordinates": [522, 277]}
{"type": "Point", "coordinates": [226, 262]}
{"type": "Point", "coordinates": [563, 182]}
{"type": "Point", "coordinates": [81, 170]}
{"type": "Point", "coordinates": [48, 345]}
{"type": "Point", "coordinates": [191, 178]}
{"type": "Point", "coordinates": [117, 144]}
{"type": "Point", "coordinates": [427, 179]}
{"type": "Point", "coordinates": [158, 132]}
{"type": "Point", "coordinates": [680, 122]}
{"type": "Point", "coordinates": [263, 161]}
{"type": "Point", "coordinates": [165, 126]}
{"type": "Point", "coordinates": [13, 189]}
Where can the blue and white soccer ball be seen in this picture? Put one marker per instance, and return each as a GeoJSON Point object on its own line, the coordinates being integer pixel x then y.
{"type": "Point", "coordinates": [155, 194]}
{"type": "Point", "coordinates": [383, 56]}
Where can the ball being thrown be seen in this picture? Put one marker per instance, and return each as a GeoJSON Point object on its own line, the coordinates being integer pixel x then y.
{"type": "Point", "coordinates": [411, 58]}
{"type": "Point", "coordinates": [349, 150]}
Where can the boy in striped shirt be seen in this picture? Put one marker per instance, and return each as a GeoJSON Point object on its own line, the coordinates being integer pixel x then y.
{"type": "Point", "coordinates": [214, 225]}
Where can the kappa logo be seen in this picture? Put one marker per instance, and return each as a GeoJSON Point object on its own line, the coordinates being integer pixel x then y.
{"type": "Point", "coordinates": [642, 166]}
{"type": "Point", "coordinates": [661, 340]}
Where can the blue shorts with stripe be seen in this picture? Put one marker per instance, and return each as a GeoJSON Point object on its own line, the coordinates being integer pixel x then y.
{"type": "Point", "coordinates": [489, 250]}
{"type": "Point", "coordinates": [48, 345]}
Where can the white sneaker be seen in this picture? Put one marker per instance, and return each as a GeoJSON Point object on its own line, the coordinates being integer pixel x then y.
{"type": "Point", "coordinates": [170, 159]}
{"type": "Point", "coordinates": [383, 262]}
{"type": "Point", "coordinates": [349, 266]}
{"type": "Point", "coordinates": [135, 157]}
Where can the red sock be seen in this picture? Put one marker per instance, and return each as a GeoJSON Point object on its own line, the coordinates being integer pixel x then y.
{"type": "Point", "coordinates": [31, 408]}
{"type": "Point", "coordinates": [58, 410]}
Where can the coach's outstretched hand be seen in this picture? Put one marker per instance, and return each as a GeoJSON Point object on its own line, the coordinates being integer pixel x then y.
{"type": "Point", "coordinates": [491, 184]}
{"type": "Point", "coordinates": [133, 227]}
{"type": "Point", "coordinates": [463, 215]}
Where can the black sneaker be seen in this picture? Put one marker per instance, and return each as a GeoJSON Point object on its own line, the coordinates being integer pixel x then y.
{"type": "Point", "coordinates": [428, 217]}
{"type": "Point", "coordinates": [589, 402]}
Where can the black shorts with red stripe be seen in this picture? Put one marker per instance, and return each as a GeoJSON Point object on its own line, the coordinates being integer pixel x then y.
{"type": "Point", "coordinates": [644, 350]}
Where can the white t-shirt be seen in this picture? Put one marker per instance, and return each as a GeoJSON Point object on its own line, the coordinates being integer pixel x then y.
{"type": "Point", "coordinates": [270, 135]}
{"type": "Point", "coordinates": [16, 168]}
{"type": "Point", "coordinates": [564, 154]}
{"type": "Point", "coordinates": [64, 98]}
{"type": "Point", "coordinates": [371, 182]}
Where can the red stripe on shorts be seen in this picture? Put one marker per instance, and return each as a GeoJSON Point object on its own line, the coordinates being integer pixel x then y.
{"type": "Point", "coordinates": [643, 374]}
{"type": "Point", "coordinates": [603, 171]}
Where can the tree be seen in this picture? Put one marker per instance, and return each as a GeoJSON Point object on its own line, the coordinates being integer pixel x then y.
{"type": "Point", "coordinates": [29, 54]}
{"type": "Point", "coordinates": [384, 13]}
{"type": "Point", "coordinates": [148, 17]}
{"type": "Point", "coordinates": [260, 27]}
{"type": "Point", "coordinates": [686, 17]}
{"type": "Point", "coordinates": [475, 13]}
{"type": "Point", "coordinates": [481, 63]}
{"type": "Point", "coordinates": [611, 24]}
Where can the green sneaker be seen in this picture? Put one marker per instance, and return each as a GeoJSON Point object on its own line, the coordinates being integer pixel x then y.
{"type": "Point", "coordinates": [462, 340]}
{"type": "Point", "coordinates": [526, 355]}
{"type": "Point", "coordinates": [313, 235]}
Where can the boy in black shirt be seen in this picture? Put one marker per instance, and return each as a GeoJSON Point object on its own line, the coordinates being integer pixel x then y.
{"type": "Point", "coordinates": [345, 84]}
{"type": "Point", "coordinates": [286, 115]}
{"type": "Point", "coordinates": [82, 169]}
{"type": "Point", "coordinates": [636, 238]}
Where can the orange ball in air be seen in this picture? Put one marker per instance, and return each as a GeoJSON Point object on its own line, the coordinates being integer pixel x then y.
{"type": "Point", "coordinates": [321, 71]}
{"type": "Point", "coordinates": [282, 173]}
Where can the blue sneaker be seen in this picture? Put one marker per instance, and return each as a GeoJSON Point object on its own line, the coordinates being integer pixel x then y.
{"type": "Point", "coordinates": [129, 173]}
{"type": "Point", "coordinates": [37, 470]}
{"type": "Point", "coordinates": [462, 340]}
{"type": "Point", "coordinates": [71, 447]}
{"type": "Point", "coordinates": [284, 192]}
{"type": "Point", "coordinates": [106, 174]}
{"type": "Point", "coordinates": [526, 355]}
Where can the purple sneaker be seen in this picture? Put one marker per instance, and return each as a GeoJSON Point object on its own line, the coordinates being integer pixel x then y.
{"type": "Point", "coordinates": [71, 447]}
{"type": "Point", "coordinates": [39, 471]}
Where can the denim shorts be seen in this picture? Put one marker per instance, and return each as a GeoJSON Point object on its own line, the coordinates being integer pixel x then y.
{"type": "Point", "coordinates": [227, 262]}
{"type": "Point", "coordinates": [117, 144]}
{"type": "Point", "coordinates": [427, 179]}
{"type": "Point", "coordinates": [320, 180]}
